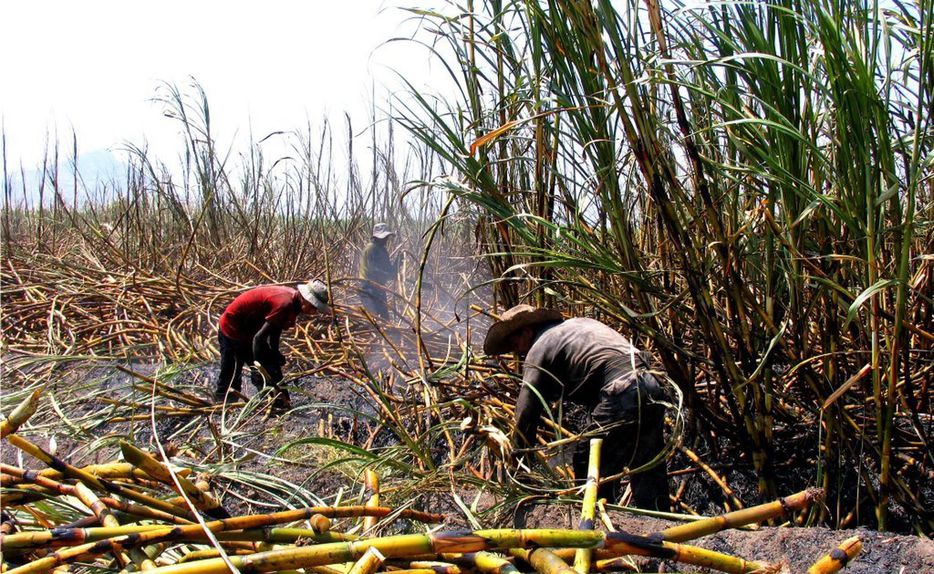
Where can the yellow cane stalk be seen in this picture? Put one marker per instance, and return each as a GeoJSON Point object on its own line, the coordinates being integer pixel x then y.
{"type": "Point", "coordinates": [20, 414]}
{"type": "Point", "coordinates": [369, 563]}
{"type": "Point", "coordinates": [110, 470]}
{"type": "Point", "coordinates": [617, 543]}
{"type": "Point", "coordinates": [432, 567]}
{"type": "Point", "coordinates": [371, 485]}
{"type": "Point", "coordinates": [155, 469]}
{"type": "Point", "coordinates": [617, 564]}
{"type": "Point", "coordinates": [623, 544]}
{"type": "Point", "coordinates": [192, 533]}
{"type": "Point", "coordinates": [135, 555]}
{"type": "Point", "coordinates": [838, 557]}
{"type": "Point", "coordinates": [582, 558]}
{"type": "Point", "coordinates": [196, 555]}
{"type": "Point", "coordinates": [91, 480]}
{"type": "Point", "coordinates": [484, 562]}
{"type": "Point", "coordinates": [147, 534]}
{"type": "Point", "coordinates": [743, 517]}
{"type": "Point", "coordinates": [543, 560]}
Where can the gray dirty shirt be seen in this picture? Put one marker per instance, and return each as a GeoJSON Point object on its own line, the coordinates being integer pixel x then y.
{"type": "Point", "coordinates": [579, 359]}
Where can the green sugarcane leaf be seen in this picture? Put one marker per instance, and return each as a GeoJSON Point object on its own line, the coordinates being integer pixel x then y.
{"type": "Point", "coordinates": [330, 443]}
{"type": "Point", "coordinates": [889, 194]}
{"type": "Point", "coordinates": [864, 296]}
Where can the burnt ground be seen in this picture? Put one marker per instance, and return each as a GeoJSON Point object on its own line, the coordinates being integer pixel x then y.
{"type": "Point", "coordinates": [795, 548]}
{"type": "Point", "coordinates": [246, 443]}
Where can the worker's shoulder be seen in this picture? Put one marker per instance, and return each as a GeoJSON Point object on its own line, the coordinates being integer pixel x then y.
{"type": "Point", "coordinates": [583, 324]}
{"type": "Point", "coordinates": [276, 289]}
{"type": "Point", "coordinates": [583, 331]}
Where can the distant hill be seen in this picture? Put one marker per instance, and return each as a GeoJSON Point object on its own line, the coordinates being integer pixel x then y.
{"type": "Point", "coordinates": [100, 171]}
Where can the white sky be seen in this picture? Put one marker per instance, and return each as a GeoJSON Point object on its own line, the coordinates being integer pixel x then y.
{"type": "Point", "coordinates": [93, 65]}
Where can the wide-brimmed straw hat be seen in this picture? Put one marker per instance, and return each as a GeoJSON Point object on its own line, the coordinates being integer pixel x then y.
{"type": "Point", "coordinates": [513, 320]}
{"type": "Point", "coordinates": [382, 231]}
{"type": "Point", "coordinates": [316, 293]}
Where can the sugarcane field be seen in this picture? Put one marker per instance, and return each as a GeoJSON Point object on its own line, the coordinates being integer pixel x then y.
{"type": "Point", "coordinates": [625, 286]}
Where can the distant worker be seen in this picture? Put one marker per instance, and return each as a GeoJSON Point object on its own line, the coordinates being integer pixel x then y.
{"type": "Point", "coordinates": [250, 329]}
{"type": "Point", "coordinates": [588, 363]}
{"type": "Point", "coordinates": [376, 271]}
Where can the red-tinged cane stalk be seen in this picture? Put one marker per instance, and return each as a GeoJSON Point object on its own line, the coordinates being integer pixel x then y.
{"type": "Point", "coordinates": [40, 480]}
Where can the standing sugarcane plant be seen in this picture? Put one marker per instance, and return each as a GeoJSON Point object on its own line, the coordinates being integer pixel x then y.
{"type": "Point", "coordinates": [746, 188]}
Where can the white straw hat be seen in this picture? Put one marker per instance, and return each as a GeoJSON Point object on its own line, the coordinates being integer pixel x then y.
{"type": "Point", "coordinates": [316, 293]}
{"type": "Point", "coordinates": [382, 231]}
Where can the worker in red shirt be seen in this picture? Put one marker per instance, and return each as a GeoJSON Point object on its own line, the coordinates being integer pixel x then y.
{"type": "Point", "coordinates": [250, 329]}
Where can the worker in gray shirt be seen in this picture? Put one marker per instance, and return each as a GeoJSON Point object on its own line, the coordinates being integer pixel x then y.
{"type": "Point", "coordinates": [588, 363]}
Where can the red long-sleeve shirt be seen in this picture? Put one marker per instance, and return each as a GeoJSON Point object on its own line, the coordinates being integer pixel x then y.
{"type": "Point", "coordinates": [244, 317]}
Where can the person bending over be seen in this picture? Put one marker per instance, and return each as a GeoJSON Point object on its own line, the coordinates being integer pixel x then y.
{"type": "Point", "coordinates": [249, 333]}
{"type": "Point", "coordinates": [589, 363]}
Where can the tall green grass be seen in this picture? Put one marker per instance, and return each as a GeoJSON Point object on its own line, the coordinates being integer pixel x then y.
{"type": "Point", "coordinates": [745, 186]}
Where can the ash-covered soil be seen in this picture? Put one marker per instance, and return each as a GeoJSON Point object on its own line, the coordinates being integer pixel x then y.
{"type": "Point", "coordinates": [795, 548]}
{"type": "Point", "coordinates": [332, 408]}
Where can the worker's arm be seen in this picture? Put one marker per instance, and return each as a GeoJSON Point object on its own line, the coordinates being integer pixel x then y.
{"type": "Point", "coordinates": [274, 347]}
{"type": "Point", "coordinates": [528, 416]}
{"type": "Point", "coordinates": [365, 263]}
{"type": "Point", "coordinates": [262, 348]}
{"type": "Point", "coordinates": [538, 390]}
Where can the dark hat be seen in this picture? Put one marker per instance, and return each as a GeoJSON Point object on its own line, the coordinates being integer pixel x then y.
{"type": "Point", "coordinates": [516, 318]}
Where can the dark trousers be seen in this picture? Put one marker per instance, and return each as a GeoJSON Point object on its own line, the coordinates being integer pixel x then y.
{"type": "Point", "coordinates": [235, 354]}
{"type": "Point", "coordinates": [373, 299]}
{"type": "Point", "coordinates": [632, 425]}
